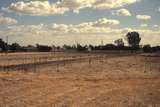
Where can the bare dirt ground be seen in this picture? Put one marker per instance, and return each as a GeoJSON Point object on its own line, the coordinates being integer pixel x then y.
{"type": "Point", "coordinates": [107, 81]}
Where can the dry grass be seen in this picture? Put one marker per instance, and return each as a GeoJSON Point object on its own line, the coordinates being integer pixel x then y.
{"type": "Point", "coordinates": [103, 81]}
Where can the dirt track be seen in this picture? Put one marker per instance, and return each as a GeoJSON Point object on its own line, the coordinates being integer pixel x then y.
{"type": "Point", "coordinates": [113, 82]}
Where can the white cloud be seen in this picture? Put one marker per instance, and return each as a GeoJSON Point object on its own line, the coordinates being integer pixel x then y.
{"type": "Point", "coordinates": [87, 27]}
{"type": "Point", "coordinates": [121, 12]}
{"type": "Point", "coordinates": [143, 25]}
{"type": "Point", "coordinates": [76, 5]}
{"type": "Point", "coordinates": [109, 4]}
{"type": "Point", "coordinates": [156, 26]}
{"type": "Point", "coordinates": [105, 22]}
{"type": "Point", "coordinates": [83, 33]}
{"type": "Point", "coordinates": [143, 17]}
{"type": "Point", "coordinates": [1, 14]}
{"type": "Point", "coordinates": [7, 20]}
{"type": "Point", "coordinates": [37, 8]}
{"type": "Point", "coordinates": [33, 0]}
{"type": "Point", "coordinates": [100, 26]}
{"type": "Point", "coordinates": [44, 8]}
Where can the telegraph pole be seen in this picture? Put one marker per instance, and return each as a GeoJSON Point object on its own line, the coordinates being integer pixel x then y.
{"type": "Point", "coordinates": [102, 42]}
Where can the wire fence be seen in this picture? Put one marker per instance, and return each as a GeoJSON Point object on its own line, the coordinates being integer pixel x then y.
{"type": "Point", "coordinates": [36, 62]}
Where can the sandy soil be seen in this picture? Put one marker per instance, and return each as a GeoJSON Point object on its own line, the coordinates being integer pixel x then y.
{"type": "Point", "coordinates": [128, 81]}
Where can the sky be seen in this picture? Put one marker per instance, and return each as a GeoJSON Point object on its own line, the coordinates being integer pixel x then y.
{"type": "Point", "coordinates": [59, 22]}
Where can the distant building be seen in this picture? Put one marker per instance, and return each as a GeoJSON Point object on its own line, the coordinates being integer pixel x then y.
{"type": "Point", "coordinates": [89, 49]}
{"type": "Point", "coordinates": [56, 49]}
{"type": "Point", "coordinates": [30, 48]}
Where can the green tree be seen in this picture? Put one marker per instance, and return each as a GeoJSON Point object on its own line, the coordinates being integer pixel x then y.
{"type": "Point", "coordinates": [147, 48]}
{"type": "Point", "coordinates": [81, 48]}
{"type": "Point", "coordinates": [119, 42]}
{"type": "Point", "coordinates": [133, 39]}
{"type": "Point", "coordinates": [3, 45]}
{"type": "Point", "coordinates": [15, 47]}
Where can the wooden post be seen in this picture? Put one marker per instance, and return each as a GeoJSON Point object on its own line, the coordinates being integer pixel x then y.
{"type": "Point", "coordinates": [34, 64]}
{"type": "Point", "coordinates": [90, 62]}
{"type": "Point", "coordinates": [57, 67]}
{"type": "Point", "coordinates": [145, 64]}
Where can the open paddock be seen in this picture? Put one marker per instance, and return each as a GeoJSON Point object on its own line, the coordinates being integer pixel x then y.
{"type": "Point", "coordinates": [80, 80]}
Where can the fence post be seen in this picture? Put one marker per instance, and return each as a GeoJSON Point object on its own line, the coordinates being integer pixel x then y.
{"type": "Point", "coordinates": [35, 64]}
{"type": "Point", "coordinates": [145, 64]}
{"type": "Point", "coordinates": [57, 67]}
{"type": "Point", "coordinates": [7, 64]}
{"type": "Point", "coordinates": [90, 62]}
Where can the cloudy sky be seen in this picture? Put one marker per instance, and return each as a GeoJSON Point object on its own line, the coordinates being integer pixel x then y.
{"type": "Point", "coordinates": [61, 22]}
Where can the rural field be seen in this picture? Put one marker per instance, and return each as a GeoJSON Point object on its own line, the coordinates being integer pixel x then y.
{"type": "Point", "coordinates": [71, 79]}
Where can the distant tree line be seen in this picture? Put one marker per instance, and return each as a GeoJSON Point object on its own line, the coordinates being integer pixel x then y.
{"type": "Point", "coordinates": [133, 39]}
{"type": "Point", "coordinates": [43, 48]}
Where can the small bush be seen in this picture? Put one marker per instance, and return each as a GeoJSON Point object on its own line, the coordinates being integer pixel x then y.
{"type": "Point", "coordinates": [147, 48]}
